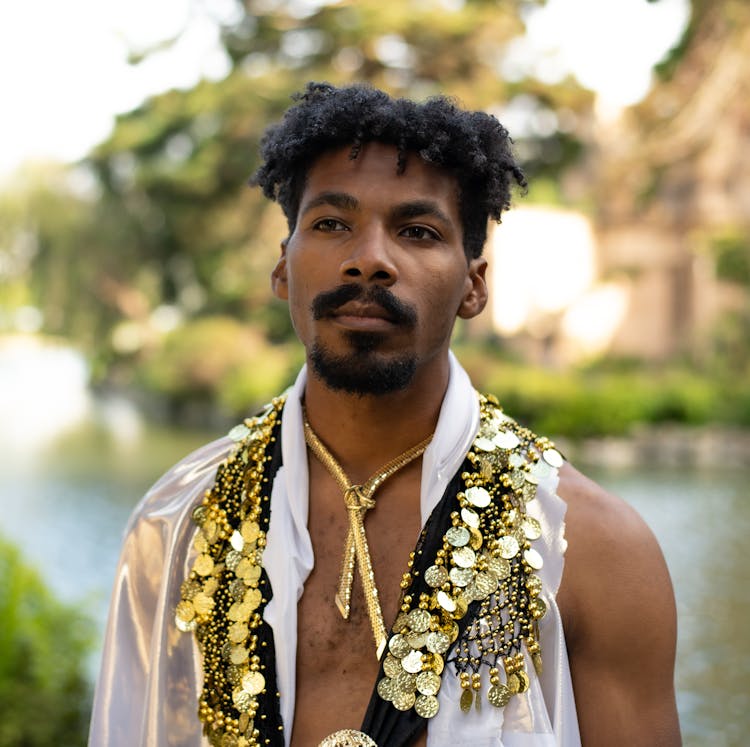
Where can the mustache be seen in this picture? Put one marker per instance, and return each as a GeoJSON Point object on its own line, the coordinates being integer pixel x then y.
{"type": "Point", "coordinates": [326, 303]}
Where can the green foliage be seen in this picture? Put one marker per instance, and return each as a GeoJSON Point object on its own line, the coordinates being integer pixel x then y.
{"type": "Point", "coordinates": [217, 360]}
{"type": "Point", "coordinates": [732, 252]}
{"type": "Point", "coordinates": [607, 400]}
{"type": "Point", "coordinates": [44, 691]}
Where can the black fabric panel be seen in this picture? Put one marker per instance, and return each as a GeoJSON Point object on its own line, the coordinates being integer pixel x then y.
{"type": "Point", "coordinates": [388, 726]}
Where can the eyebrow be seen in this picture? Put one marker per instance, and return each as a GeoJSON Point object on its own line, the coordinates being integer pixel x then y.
{"type": "Point", "coordinates": [345, 201]}
{"type": "Point", "coordinates": [420, 208]}
{"type": "Point", "coordinates": [334, 199]}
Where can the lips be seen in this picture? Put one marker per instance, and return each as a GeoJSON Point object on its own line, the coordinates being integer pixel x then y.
{"type": "Point", "coordinates": [363, 311]}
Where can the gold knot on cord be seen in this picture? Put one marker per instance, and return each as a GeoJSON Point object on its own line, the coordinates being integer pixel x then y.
{"type": "Point", "coordinates": [358, 499]}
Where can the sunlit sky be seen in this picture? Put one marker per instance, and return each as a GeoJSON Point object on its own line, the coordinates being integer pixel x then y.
{"type": "Point", "coordinates": [65, 72]}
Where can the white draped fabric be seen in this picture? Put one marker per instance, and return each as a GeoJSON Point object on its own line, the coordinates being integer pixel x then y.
{"type": "Point", "coordinates": [151, 673]}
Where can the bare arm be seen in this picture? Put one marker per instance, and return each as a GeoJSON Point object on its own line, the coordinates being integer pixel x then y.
{"type": "Point", "coordinates": [619, 615]}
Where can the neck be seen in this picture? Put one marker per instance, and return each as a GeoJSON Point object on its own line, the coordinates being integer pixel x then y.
{"type": "Point", "coordinates": [365, 432]}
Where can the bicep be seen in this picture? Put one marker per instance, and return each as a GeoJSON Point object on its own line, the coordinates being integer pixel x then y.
{"type": "Point", "coordinates": [619, 595]}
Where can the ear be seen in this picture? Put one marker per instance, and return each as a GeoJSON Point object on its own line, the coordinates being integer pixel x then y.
{"type": "Point", "coordinates": [475, 298]}
{"type": "Point", "coordinates": [279, 283]}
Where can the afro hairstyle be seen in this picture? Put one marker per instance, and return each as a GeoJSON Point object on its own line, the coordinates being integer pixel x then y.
{"type": "Point", "coordinates": [471, 146]}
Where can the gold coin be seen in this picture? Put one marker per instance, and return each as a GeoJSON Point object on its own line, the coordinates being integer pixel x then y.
{"type": "Point", "coordinates": [244, 568]}
{"type": "Point", "coordinates": [238, 654]}
{"type": "Point", "coordinates": [533, 558]}
{"type": "Point", "coordinates": [534, 584]}
{"type": "Point", "coordinates": [238, 632]}
{"type": "Point", "coordinates": [385, 688]}
{"type": "Point", "coordinates": [199, 514]}
{"type": "Point", "coordinates": [464, 557]}
{"type": "Point", "coordinates": [508, 545]}
{"type": "Point", "coordinates": [478, 496]}
{"type": "Point", "coordinates": [470, 518]}
{"type": "Point", "coordinates": [239, 432]}
{"type": "Point", "coordinates": [461, 576]}
{"type": "Point", "coordinates": [426, 706]}
{"type": "Point", "coordinates": [184, 627]}
{"type": "Point", "coordinates": [513, 684]}
{"type": "Point", "coordinates": [457, 536]}
{"type": "Point", "coordinates": [244, 722]}
{"type": "Point", "coordinates": [435, 576]}
{"type": "Point", "coordinates": [428, 683]}
{"type": "Point", "coordinates": [446, 601]}
{"type": "Point", "coordinates": [204, 564]}
{"type": "Point", "coordinates": [498, 696]}
{"type": "Point", "coordinates": [412, 662]}
{"type": "Point", "coordinates": [537, 608]}
{"type": "Point", "coordinates": [486, 584]}
{"type": "Point", "coordinates": [485, 467]}
{"type": "Point", "coordinates": [400, 622]}
{"type": "Point", "coordinates": [437, 642]}
{"type": "Point", "coordinates": [211, 531]}
{"type": "Point", "coordinates": [484, 444]}
{"type": "Point", "coordinates": [185, 611]}
{"type": "Point", "coordinates": [253, 598]}
{"type": "Point", "coordinates": [399, 646]}
{"type": "Point", "coordinates": [243, 700]}
{"type": "Point", "coordinates": [391, 665]}
{"type": "Point", "coordinates": [419, 620]}
{"type": "Point", "coordinates": [466, 700]}
{"type": "Point", "coordinates": [403, 701]}
{"type": "Point", "coordinates": [528, 492]}
{"type": "Point", "coordinates": [237, 589]}
{"type": "Point", "coordinates": [532, 529]}
{"type": "Point", "coordinates": [236, 541]}
{"type": "Point", "coordinates": [253, 682]}
{"type": "Point", "coordinates": [404, 682]}
{"type": "Point", "coordinates": [200, 543]}
{"type": "Point", "coordinates": [523, 678]}
{"type": "Point", "coordinates": [476, 539]}
{"type": "Point", "coordinates": [233, 559]}
{"type": "Point", "coordinates": [462, 605]}
{"type": "Point", "coordinates": [499, 567]}
{"type": "Point", "coordinates": [451, 630]}
{"type": "Point", "coordinates": [506, 440]}
{"type": "Point", "coordinates": [203, 604]}
{"type": "Point", "coordinates": [518, 479]}
{"type": "Point", "coordinates": [553, 457]}
{"type": "Point", "coordinates": [416, 640]}
{"type": "Point", "coordinates": [211, 584]}
{"type": "Point", "coordinates": [250, 531]}
{"type": "Point", "coordinates": [252, 576]}
{"type": "Point", "coordinates": [189, 588]}
{"type": "Point", "coordinates": [435, 662]}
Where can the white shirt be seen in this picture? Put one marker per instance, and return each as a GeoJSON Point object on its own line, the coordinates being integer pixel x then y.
{"type": "Point", "coordinates": [151, 673]}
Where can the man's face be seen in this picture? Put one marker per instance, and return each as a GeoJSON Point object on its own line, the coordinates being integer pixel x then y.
{"type": "Point", "coordinates": [375, 271]}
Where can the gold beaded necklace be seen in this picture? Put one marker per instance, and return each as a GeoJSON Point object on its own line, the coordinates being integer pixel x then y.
{"type": "Point", "coordinates": [358, 500]}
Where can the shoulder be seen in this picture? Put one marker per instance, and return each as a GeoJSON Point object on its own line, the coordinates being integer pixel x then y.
{"type": "Point", "coordinates": [613, 562]}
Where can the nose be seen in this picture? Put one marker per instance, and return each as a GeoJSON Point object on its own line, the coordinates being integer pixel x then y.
{"type": "Point", "coordinates": [369, 259]}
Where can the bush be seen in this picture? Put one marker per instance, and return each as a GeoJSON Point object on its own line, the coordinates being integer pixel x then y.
{"type": "Point", "coordinates": [45, 696]}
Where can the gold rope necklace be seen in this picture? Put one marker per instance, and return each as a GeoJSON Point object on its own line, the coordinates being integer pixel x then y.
{"type": "Point", "coordinates": [358, 500]}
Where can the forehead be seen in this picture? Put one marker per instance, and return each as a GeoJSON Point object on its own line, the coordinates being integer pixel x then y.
{"type": "Point", "coordinates": [373, 176]}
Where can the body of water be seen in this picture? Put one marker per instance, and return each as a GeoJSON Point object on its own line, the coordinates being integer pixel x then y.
{"type": "Point", "coordinates": [67, 507]}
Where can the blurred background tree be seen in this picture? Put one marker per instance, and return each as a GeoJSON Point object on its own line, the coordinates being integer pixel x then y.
{"type": "Point", "coordinates": [155, 238]}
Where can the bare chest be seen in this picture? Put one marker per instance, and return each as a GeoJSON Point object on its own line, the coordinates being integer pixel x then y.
{"type": "Point", "coordinates": [337, 665]}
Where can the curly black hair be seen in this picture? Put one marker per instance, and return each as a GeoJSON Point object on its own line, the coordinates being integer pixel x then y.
{"type": "Point", "coordinates": [472, 146]}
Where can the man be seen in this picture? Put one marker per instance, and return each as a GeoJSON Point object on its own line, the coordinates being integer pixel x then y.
{"type": "Point", "coordinates": [380, 556]}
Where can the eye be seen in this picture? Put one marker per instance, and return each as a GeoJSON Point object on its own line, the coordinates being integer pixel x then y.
{"type": "Point", "coordinates": [420, 233]}
{"type": "Point", "coordinates": [329, 225]}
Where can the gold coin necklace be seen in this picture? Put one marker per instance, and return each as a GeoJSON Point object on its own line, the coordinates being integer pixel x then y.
{"type": "Point", "coordinates": [358, 500]}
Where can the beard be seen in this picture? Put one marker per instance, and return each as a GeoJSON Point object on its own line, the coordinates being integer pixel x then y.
{"type": "Point", "coordinates": [364, 370]}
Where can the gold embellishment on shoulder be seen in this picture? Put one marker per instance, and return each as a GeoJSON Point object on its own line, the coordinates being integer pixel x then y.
{"type": "Point", "coordinates": [487, 558]}
{"type": "Point", "coordinates": [222, 596]}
